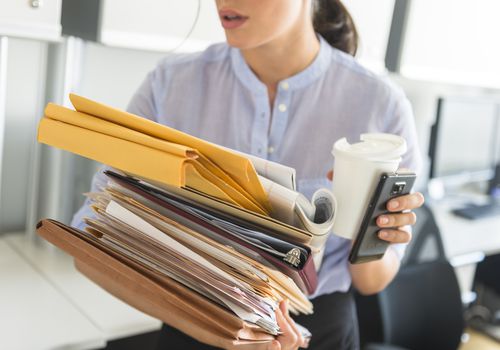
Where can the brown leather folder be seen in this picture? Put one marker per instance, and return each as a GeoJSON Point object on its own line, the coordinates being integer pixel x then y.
{"type": "Point", "coordinates": [152, 293]}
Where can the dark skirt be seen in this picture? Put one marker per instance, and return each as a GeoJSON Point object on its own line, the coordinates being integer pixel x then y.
{"type": "Point", "coordinates": [333, 325]}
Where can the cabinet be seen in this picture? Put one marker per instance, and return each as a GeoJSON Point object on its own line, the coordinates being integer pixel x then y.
{"type": "Point", "coordinates": [33, 19]}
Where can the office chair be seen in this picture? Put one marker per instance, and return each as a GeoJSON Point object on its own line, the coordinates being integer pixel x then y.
{"type": "Point", "coordinates": [422, 307]}
{"type": "Point", "coordinates": [484, 314]}
{"type": "Point", "coordinates": [426, 244]}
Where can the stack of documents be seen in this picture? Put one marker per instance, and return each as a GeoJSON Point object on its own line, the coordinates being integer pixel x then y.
{"type": "Point", "coordinates": [204, 238]}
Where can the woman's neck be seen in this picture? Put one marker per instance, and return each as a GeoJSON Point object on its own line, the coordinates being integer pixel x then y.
{"type": "Point", "coordinates": [283, 57]}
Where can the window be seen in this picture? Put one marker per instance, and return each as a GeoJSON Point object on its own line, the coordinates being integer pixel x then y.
{"type": "Point", "coordinates": [454, 41]}
{"type": "Point", "coordinates": [373, 21]}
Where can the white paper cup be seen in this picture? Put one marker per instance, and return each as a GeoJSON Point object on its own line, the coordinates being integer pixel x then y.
{"type": "Point", "coordinates": [357, 170]}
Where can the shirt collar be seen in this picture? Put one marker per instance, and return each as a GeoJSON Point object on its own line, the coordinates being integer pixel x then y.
{"type": "Point", "coordinates": [302, 79]}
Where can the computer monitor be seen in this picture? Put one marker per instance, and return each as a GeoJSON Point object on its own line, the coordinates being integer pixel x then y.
{"type": "Point", "coordinates": [465, 140]}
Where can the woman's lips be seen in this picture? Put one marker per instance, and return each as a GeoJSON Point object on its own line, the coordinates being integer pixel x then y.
{"type": "Point", "coordinates": [231, 19]}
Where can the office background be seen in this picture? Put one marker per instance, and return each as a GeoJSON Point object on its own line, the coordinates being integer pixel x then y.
{"type": "Point", "coordinates": [432, 49]}
{"type": "Point", "coordinates": [438, 52]}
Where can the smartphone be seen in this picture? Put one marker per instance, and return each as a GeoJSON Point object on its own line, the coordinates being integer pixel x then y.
{"type": "Point", "coordinates": [367, 246]}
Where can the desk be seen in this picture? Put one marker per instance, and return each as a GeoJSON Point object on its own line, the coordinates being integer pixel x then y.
{"type": "Point", "coordinates": [466, 240]}
{"type": "Point", "coordinates": [34, 315]}
{"type": "Point", "coordinates": [462, 236]}
{"type": "Point", "coordinates": [112, 317]}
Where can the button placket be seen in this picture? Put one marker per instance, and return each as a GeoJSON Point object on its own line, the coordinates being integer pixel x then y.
{"type": "Point", "coordinates": [280, 118]}
{"type": "Point", "coordinates": [260, 127]}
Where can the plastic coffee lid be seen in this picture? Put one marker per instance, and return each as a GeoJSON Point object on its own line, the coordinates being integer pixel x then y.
{"type": "Point", "coordinates": [373, 146]}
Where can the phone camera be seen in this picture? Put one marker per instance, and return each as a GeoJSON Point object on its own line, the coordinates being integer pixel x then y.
{"type": "Point", "coordinates": [398, 188]}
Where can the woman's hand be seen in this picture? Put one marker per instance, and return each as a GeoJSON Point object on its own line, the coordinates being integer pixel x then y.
{"type": "Point", "coordinates": [394, 227]}
{"type": "Point", "coordinates": [399, 220]}
{"type": "Point", "coordinates": [373, 276]}
{"type": "Point", "coordinates": [290, 337]}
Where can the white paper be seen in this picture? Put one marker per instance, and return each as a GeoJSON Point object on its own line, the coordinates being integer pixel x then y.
{"type": "Point", "coordinates": [138, 223]}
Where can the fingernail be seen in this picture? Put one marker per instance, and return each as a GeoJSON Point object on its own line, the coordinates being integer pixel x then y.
{"type": "Point", "coordinates": [383, 220]}
{"type": "Point", "coordinates": [383, 234]}
{"type": "Point", "coordinates": [393, 204]}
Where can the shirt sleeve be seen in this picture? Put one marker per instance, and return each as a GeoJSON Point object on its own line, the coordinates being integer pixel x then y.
{"type": "Point", "coordinates": [143, 102]}
{"type": "Point", "coordinates": [98, 182]}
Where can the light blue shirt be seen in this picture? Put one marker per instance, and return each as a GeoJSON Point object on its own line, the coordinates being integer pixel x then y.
{"type": "Point", "coordinates": [216, 96]}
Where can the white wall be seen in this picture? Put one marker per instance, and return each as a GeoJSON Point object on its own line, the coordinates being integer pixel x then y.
{"type": "Point", "coordinates": [113, 74]}
{"type": "Point", "coordinates": [373, 23]}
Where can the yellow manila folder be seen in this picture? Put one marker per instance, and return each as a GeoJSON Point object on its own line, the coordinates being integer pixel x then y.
{"type": "Point", "coordinates": [122, 154]}
{"type": "Point", "coordinates": [238, 167]}
{"type": "Point", "coordinates": [114, 142]}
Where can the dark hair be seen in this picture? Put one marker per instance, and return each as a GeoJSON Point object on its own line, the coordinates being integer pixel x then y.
{"type": "Point", "coordinates": [334, 23]}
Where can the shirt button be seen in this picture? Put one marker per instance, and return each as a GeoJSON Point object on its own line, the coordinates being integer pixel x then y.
{"type": "Point", "coordinates": [270, 150]}
{"type": "Point", "coordinates": [282, 107]}
{"type": "Point", "coordinates": [285, 85]}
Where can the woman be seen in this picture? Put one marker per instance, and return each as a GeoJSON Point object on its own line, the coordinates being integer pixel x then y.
{"type": "Point", "coordinates": [285, 87]}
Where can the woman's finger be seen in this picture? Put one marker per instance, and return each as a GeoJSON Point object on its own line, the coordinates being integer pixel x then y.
{"type": "Point", "coordinates": [284, 309]}
{"type": "Point", "coordinates": [396, 220]}
{"type": "Point", "coordinates": [395, 236]}
{"type": "Point", "coordinates": [288, 339]}
{"type": "Point", "coordinates": [274, 345]}
{"type": "Point", "coordinates": [406, 202]}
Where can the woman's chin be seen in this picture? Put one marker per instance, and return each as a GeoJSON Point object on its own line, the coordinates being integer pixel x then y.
{"type": "Point", "coordinates": [240, 41]}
